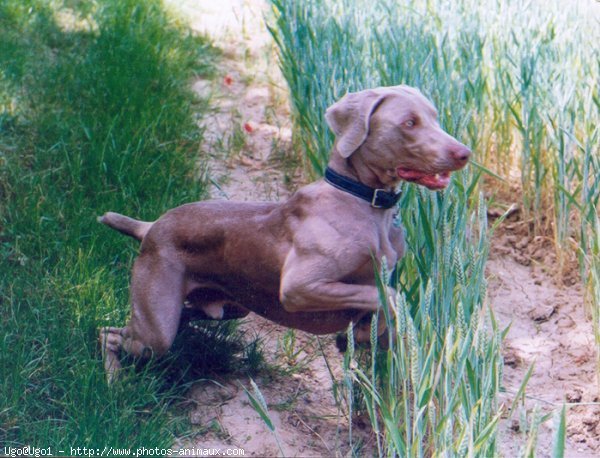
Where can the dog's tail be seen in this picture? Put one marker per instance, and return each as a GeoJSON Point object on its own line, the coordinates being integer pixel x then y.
{"type": "Point", "coordinates": [126, 225]}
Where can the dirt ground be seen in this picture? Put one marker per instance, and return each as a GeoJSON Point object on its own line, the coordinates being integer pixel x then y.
{"type": "Point", "coordinates": [549, 329]}
{"type": "Point", "coordinates": [247, 139]}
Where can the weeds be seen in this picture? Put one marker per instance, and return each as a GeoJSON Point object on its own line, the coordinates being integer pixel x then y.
{"type": "Point", "coordinates": [258, 403]}
{"type": "Point", "coordinates": [295, 354]}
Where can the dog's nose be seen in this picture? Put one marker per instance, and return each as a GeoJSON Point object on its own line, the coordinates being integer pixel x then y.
{"type": "Point", "coordinates": [460, 153]}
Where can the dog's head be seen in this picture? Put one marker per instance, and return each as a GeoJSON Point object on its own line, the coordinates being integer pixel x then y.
{"type": "Point", "coordinates": [395, 132]}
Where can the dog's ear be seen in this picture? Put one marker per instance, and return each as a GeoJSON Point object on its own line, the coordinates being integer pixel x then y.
{"type": "Point", "coordinates": [349, 119]}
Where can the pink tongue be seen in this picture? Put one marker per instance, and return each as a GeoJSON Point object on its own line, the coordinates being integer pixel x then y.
{"type": "Point", "coordinates": [431, 181]}
{"type": "Point", "coordinates": [410, 175]}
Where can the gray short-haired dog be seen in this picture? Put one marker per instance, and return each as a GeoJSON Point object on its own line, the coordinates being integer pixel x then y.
{"type": "Point", "coordinates": [306, 263]}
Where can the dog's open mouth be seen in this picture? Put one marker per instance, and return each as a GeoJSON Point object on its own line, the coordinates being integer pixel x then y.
{"type": "Point", "coordinates": [433, 181]}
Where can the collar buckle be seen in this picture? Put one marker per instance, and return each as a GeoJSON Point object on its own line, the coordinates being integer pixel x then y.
{"type": "Point", "coordinates": [374, 199]}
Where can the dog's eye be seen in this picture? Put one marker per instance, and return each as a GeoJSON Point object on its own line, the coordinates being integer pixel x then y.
{"type": "Point", "coordinates": [412, 122]}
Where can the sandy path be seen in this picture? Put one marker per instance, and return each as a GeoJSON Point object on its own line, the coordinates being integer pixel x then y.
{"type": "Point", "coordinates": [247, 140]}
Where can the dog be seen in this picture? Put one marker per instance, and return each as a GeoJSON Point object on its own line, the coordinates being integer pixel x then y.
{"type": "Point", "coordinates": [306, 263]}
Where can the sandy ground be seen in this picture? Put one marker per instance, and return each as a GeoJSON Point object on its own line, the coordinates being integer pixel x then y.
{"type": "Point", "coordinates": [247, 141]}
{"type": "Point", "coordinates": [549, 330]}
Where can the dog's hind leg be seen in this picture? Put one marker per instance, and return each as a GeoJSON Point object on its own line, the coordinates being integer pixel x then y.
{"type": "Point", "coordinates": [157, 294]}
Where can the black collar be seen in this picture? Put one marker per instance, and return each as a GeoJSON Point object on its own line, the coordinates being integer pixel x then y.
{"type": "Point", "coordinates": [378, 198]}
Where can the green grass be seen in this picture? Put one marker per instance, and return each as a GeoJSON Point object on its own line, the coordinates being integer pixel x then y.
{"type": "Point", "coordinates": [517, 82]}
{"type": "Point", "coordinates": [95, 115]}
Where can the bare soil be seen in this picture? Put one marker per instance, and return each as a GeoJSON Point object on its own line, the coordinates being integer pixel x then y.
{"type": "Point", "coordinates": [247, 150]}
{"type": "Point", "coordinates": [549, 329]}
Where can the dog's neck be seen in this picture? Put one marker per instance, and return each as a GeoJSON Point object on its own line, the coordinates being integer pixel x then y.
{"type": "Point", "coordinates": [354, 167]}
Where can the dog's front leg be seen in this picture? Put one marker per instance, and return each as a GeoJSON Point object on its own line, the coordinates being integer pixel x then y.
{"type": "Point", "coordinates": [327, 296]}
{"type": "Point", "coordinates": [325, 281]}
{"type": "Point", "coordinates": [312, 283]}
{"type": "Point", "coordinates": [331, 296]}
